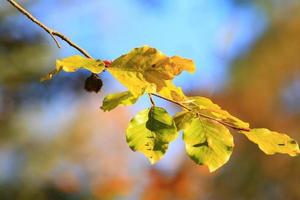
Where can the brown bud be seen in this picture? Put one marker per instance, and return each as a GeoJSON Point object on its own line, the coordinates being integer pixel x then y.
{"type": "Point", "coordinates": [93, 83]}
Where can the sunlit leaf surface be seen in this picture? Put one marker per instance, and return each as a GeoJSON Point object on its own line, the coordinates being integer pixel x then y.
{"type": "Point", "coordinates": [272, 142]}
{"type": "Point", "coordinates": [208, 143]}
{"type": "Point", "coordinates": [147, 69]}
{"type": "Point", "coordinates": [113, 100]}
{"type": "Point", "coordinates": [205, 106]}
{"type": "Point", "coordinates": [150, 132]}
{"type": "Point", "coordinates": [73, 63]}
{"type": "Point", "coordinates": [170, 91]}
{"type": "Point", "coordinates": [183, 118]}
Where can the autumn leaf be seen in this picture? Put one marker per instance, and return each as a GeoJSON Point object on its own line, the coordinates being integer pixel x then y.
{"type": "Point", "coordinates": [183, 118]}
{"type": "Point", "coordinates": [206, 107]}
{"type": "Point", "coordinates": [113, 100]}
{"type": "Point", "coordinates": [150, 133]}
{"type": "Point", "coordinates": [207, 142]}
{"type": "Point", "coordinates": [170, 91]}
{"type": "Point", "coordinates": [73, 63]}
{"type": "Point", "coordinates": [272, 142]}
{"type": "Point", "coordinates": [147, 69]}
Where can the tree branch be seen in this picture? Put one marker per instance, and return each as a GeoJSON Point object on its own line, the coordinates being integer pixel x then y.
{"type": "Point", "coordinates": [172, 101]}
{"type": "Point", "coordinates": [151, 99]}
{"type": "Point", "coordinates": [51, 32]}
{"type": "Point", "coordinates": [54, 33]}
{"type": "Point", "coordinates": [201, 114]}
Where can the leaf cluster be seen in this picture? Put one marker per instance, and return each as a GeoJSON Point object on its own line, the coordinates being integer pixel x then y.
{"type": "Point", "coordinates": [205, 125]}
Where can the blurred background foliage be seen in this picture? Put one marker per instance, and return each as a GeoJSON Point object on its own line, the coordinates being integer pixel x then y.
{"type": "Point", "coordinates": [55, 142]}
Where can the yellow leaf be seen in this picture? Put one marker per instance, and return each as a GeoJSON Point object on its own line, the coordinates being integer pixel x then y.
{"type": "Point", "coordinates": [207, 142]}
{"type": "Point", "coordinates": [272, 142]}
{"type": "Point", "coordinates": [183, 64]}
{"type": "Point", "coordinates": [73, 63]}
{"type": "Point", "coordinates": [206, 107]}
{"type": "Point", "coordinates": [170, 91]}
{"type": "Point", "coordinates": [113, 100]}
{"type": "Point", "coordinates": [147, 69]}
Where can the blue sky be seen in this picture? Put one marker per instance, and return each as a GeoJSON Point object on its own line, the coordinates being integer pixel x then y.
{"type": "Point", "coordinates": [211, 33]}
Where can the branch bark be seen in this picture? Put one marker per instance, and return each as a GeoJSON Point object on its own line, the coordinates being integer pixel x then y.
{"type": "Point", "coordinates": [151, 100]}
{"type": "Point", "coordinates": [54, 33]}
{"type": "Point", "coordinates": [50, 31]}
{"type": "Point", "coordinates": [202, 115]}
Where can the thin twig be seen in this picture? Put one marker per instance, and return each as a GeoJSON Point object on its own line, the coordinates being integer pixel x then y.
{"type": "Point", "coordinates": [223, 123]}
{"type": "Point", "coordinates": [51, 32]}
{"type": "Point", "coordinates": [72, 44]}
{"type": "Point", "coordinates": [172, 101]}
{"type": "Point", "coordinates": [151, 100]}
{"type": "Point", "coordinates": [201, 114]}
{"type": "Point", "coordinates": [54, 33]}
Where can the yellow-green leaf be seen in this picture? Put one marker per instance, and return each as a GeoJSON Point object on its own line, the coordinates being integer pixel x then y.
{"type": "Point", "coordinates": [73, 63]}
{"type": "Point", "coordinates": [113, 100]}
{"type": "Point", "coordinates": [205, 106]}
{"type": "Point", "coordinates": [150, 133]}
{"type": "Point", "coordinates": [208, 143]}
{"type": "Point", "coordinates": [272, 142]}
{"type": "Point", "coordinates": [147, 69]}
{"type": "Point", "coordinates": [170, 91]}
{"type": "Point", "coordinates": [183, 118]}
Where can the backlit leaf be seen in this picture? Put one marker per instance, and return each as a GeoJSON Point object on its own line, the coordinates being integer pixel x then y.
{"type": "Point", "coordinates": [170, 91]}
{"type": "Point", "coordinates": [206, 107]}
{"type": "Point", "coordinates": [113, 100]}
{"type": "Point", "coordinates": [147, 69]}
{"type": "Point", "coordinates": [150, 133]}
{"type": "Point", "coordinates": [73, 63]}
{"type": "Point", "coordinates": [208, 143]}
{"type": "Point", "coordinates": [183, 118]}
{"type": "Point", "coordinates": [272, 142]}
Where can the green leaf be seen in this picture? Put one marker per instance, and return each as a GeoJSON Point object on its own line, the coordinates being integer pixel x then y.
{"type": "Point", "coordinates": [206, 107]}
{"type": "Point", "coordinates": [208, 143]}
{"type": "Point", "coordinates": [183, 118]}
{"type": "Point", "coordinates": [73, 63]}
{"type": "Point", "coordinates": [113, 100]}
{"type": "Point", "coordinates": [147, 69]}
{"type": "Point", "coordinates": [272, 142]}
{"type": "Point", "coordinates": [150, 132]}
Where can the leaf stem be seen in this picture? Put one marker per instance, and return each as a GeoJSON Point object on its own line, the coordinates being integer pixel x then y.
{"type": "Point", "coordinates": [107, 63]}
{"type": "Point", "coordinates": [172, 101]}
{"type": "Point", "coordinates": [151, 99]}
{"type": "Point", "coordinates": [54, 33]}
{"type": "Point", "coordinates": [201, 114]}
{"type": "Point", "coordinates": [51, 32]}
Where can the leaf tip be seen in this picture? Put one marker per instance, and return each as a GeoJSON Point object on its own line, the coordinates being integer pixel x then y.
{"type": "Point", "coordinates": [152, 161]}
